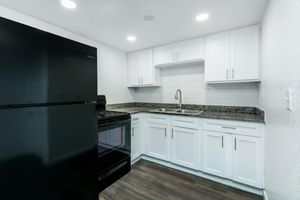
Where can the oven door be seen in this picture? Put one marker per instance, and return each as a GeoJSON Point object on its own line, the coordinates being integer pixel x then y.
{"type": "Point", "coordinates": [114, 136]}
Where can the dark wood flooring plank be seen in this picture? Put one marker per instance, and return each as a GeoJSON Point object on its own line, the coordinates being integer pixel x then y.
{"type": "Point", "coordinates": [150, 181]}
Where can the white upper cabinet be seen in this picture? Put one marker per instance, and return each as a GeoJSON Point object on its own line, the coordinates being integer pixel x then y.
{"type": "Point", "coordinates": [191, 50]}
{"type": "Point", "coordinates": [233, 56]}
{"type": "Point", "coordinates": [229, 57]}
{"type": "Point", "coordinates": [141, 69]}
{"type": "Point", "coordinates": [217, 58]}
{"type": "Point", "coordinates": [245, 54]}
{"type": "Point", "coordinates": [181, 52]}
{"type": "Point", "coordinates": [134, 77]}
{"type": "Point", "coordinates": [164, 55]}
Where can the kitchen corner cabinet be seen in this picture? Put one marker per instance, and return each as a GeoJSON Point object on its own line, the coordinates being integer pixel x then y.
{"type": "Point", "coordinates": [136, 136]}
{"type": "Point", "coordinates": [141, 71]}
{"type": "Point", "coordinates": [233, 56]}
{"type": "Point", "coordinates": [181, 52]}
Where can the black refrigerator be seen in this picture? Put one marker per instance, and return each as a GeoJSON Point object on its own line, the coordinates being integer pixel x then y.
{"type": "Point", "coordinates": [48, 123]}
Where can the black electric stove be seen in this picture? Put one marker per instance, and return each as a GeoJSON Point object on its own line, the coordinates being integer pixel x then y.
{"type": "Point", "coordinates": [113, 143]}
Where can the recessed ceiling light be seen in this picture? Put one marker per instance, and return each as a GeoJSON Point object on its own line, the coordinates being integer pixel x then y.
{"type": "Point", "coordinates": [202, 17]}
{"type": "Point", "coordinates": [68, 4]}
{"type": "Point", "coordinates": [131, 38]}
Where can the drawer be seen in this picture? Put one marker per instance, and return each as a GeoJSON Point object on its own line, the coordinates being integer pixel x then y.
{"type": "Point", "coordinates": [158, 119]}
{"type": "Point", "coordinates": [135, 119]}
{"type": "Point", "coordinates": [185, 122]}
{"type": "Point", "coordinates": [234, 127]}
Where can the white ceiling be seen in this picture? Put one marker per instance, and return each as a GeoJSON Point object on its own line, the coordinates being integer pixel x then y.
{"type": "Point", "coordinates": [110, 21]}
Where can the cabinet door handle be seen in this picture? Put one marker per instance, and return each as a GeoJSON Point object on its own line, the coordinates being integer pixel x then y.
{"type": "Point", "coordinates": [172, 133]}
{"type": "Point", "coordinates": [222, 141]}
{"type": "Point", "coordinates": [142, 81]}
{"type": "Point", "coordinates": [234, 143]}
{"type": "Point", "coordinates": [165, 132]}
{"type": "Point", "coordinates": [232, 71]}
{"type": "Point", "coordinates": [132, 132]}
{"type": "Point", "coordinates": [227, 74]}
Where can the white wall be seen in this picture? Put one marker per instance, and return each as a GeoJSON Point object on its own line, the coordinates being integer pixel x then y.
{"type": "Point", "coordinates": [190, 79]}
{"type": "Point", "coordinates": [111, 62]}
{"type": "Point", "coordinates": [280, 71]}
{"type": "Point", "coordinates": [112, 71]}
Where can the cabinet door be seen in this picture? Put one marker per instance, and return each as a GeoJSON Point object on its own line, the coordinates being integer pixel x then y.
{"type": "Point", "coordinates": [245, 54]}
{"type": "Point", "coordinates": [146, 67]}
{"type": "Point", "coordinates": [247, 160]}
{"type": "Point", "coordinates": [164, 55]}
{"type": "Point", "coordinates": [134, 69]}
{"type": "Point", "coordinates": [214, 154]}
{"type": "Point", "coordinates": [135, 141]}
{"type": "Point", "coordinates": [191, 50]}
{"type": "Point", "coordinates": [158, 143]}
{"type": "Point", "coordinates": [185, 147]}
{"type": "Point", "coordinates": [217, 58]}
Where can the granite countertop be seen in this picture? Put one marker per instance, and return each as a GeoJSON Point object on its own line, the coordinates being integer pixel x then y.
{"type": "Point", "coordinates": [246, 114]}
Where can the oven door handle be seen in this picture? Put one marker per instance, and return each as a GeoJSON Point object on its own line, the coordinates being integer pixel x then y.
{"type": "Point", "coordinates": [103, 176]}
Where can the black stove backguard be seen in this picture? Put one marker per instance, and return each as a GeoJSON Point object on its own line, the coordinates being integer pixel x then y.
{"type": "Point", "coordinates": [101, 103]}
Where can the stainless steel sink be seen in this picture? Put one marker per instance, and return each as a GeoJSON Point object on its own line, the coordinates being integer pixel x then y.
{"type": "Point", "coordinates": [165, 110]}
{"type": "Point", "coordinates": [195, 112]}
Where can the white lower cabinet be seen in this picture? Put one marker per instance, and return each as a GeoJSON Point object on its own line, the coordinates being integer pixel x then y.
{"type": "Point", "coordinates": [136, 137]}
{"type": "Point", "coordinates": [227, 149]}
{"type": "Point", "coordinates": [185, 147]}
{"type": "Point", "coordinates": [158, 142]}
{"type": "Point", "coordinates": [234, 150]}
{"type": "Point", "coordinates": [214, 153]}
{"type": "Point", "coordinates": [135, 142]}
{"type": "Point", "coordinates": [248, 160]}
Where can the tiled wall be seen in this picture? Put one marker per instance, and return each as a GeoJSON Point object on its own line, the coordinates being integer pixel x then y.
{"type": "Point", "coordinates": [190, 79]}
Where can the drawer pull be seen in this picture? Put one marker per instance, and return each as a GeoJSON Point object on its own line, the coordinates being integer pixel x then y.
{"type": "Point", "coordinates": [160, 118]}
{"type": "Point", "coordinates": [229, 127]}
{"type": "Point", "coordinates": [184, 121]}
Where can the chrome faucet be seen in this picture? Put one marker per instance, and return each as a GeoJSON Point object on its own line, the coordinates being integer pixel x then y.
{"type": "Point", "coordinates": [178, 96]}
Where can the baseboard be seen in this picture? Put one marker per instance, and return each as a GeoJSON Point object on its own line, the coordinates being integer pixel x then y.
{"type": "Point", "coordinates": [203, 175]}
{"type": "Point", "coordinates": [265, 195]}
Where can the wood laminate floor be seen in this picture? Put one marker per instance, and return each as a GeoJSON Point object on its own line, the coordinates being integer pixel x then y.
{"type": "Point", "coordinates": [150, 181]}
